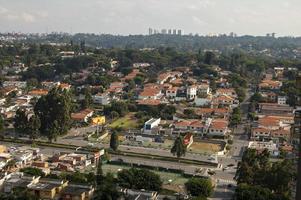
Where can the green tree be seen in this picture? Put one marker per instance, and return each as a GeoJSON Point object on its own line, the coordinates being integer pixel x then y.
{"type": "Point", "coordinates": [178, 148]}
{"type": "Point", "coordinates": [88, 99]}
{"type": "Point", "coordinates": [33, 171]}
{"type": "Point", "coordinates": [20, 121]}
{"type": "Point", "coordinates": [235, 117]}
{"type": "Point", "coordinates": [209, 57]}
{"type": "Point", "coordinates": [33, 127]}
{"type": "Point", "coordinates": [114, 143]}
{"type": "Point", "coordinates": [108, 189]}
{"type": "Point", "coordinates": [2, 125]}
{"type": "Point", "coordinates": [54, 112]}
{"type": "Point", "coordinates": [99, 174]}
{"type": "Point", "coordinates": [199, 187]}
{"type": "Point", "coordinates": [139, 179]}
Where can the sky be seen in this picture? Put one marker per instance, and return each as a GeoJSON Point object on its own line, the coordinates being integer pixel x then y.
{"type": "Point", "coordinates": [252, 17]}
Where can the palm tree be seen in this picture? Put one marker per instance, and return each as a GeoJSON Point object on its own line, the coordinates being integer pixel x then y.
{"type": "Point", "coordinates": [178, 149]}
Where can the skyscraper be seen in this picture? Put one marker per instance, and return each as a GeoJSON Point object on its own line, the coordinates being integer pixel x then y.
{"type": "Point", "coordinates": [174, 32]}
{"type": "Point", "coordinates": [150, 31]}
{"type": "Point", "coordinates": [179, 32]}
{"type": "Point", "coordinates": [169, 31]}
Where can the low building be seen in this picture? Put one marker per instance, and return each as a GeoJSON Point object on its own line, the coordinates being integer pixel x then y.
{"type": "Point", "coordinates": [150, 125]}
{"type": "Point", "coordinates": [188, 140]}
{"type": "Point", "coordinates": [77, 192]}
{"type": "Point", "coordinates": [261, 146]}
{"type": "Point", "coordinates": [102, 99]}
{"type": "Point", "coordinates": [218, 127]}
{"type": "Point", "coordinates": [282, 100]}
{"type": "Point", "coordinates": [83, 115]}
{"type": "Point", "coordinates": [99, 120]}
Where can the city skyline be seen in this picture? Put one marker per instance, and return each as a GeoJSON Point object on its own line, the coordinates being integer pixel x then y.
{"type": "Point", "coordinates": [126, 17]}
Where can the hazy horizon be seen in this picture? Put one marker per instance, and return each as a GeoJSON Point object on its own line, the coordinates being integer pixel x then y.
{"type": "Point", "coordinates": [134, 17]}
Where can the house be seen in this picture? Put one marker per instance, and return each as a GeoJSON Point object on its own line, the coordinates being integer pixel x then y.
{"type": "Point", "coordinates": [185, 126]}
{"type": "Point", "coordinates": [141, 65]}
{"type": "Point", "coordinates": [139, 195]}
{"type": "Point", "coordinates": [150, 93]}
{"type": "Point", "coordinates": [149, 102]}
{"type": "Point", "coordinates": [281, 100]}
{"type": "Point", "coordinates": [171, 93]}
{"type": "Point", "coordinates": [275, 109]}
{"type": "Point", "coordinates": [102, 99]}
{"type": "Point", "coordinates": [203, 89]}
{"type": "Point", "coordinates": [188, 140]}
{"type": "Point", "coordinates": [206, 101]}
{"type": "Point", "coordinates": [99, 120]}
{"type": "Point", "coordinates": [77, 192]}
{"type": "Point", "coordinates": [213, 112]}
{"type": "Point", "coordinates": [42, 190]}
{"type": "Point", "coordinates": [18, 180]}
{"type": "Point", "coordinates": [270, 85]}
{"type": "Point", "coordinates": [270, 97]}
{"type": "Point", "coordinates": [65, 86]}
{"type": "Point", "coordinates": [191, 92]}
{"type": "Point", "coordinates": [38, 92]}
{"type": "Point", "coordinates": [227, 92]}
{"type": "Point", "coordinates": [225, 100]}
{"type": "Point", "coordinates": [218, 127]}
{"type": "Point", "coordinates": [82, 116]}
{"type": "Point", "coordinates": [278, 72]}
{"type": "Point", "coordinates": [8, 89]}
{"type": "Point", "coordinates": [150, 125]}
{"type": "Point", "coordinates": [261, 146]}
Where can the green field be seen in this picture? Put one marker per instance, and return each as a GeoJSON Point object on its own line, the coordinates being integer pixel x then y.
{"type": "Point", "coordinates": [126, 122]}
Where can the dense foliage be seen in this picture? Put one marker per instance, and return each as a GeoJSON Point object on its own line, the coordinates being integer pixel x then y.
{"type": "Point", "coordinates": [139, 179]}
{"type": "Point", "coordinates": [256, 171]}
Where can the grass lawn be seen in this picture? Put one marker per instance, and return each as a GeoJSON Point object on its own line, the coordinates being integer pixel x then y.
{"type": "Point", "coordinates": [126, 122]}
{"type": "Point", "coordinates": [202, 147]}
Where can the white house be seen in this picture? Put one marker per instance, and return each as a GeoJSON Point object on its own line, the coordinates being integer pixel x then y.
{"type": "Point", "coordinates": [102, 99]}
{"type": "Point", "coordinates": [150, 125]}
{"type": "Point", "coordinates": [191, 92]}
{"type": "Point", "coordinates": [281, 100]}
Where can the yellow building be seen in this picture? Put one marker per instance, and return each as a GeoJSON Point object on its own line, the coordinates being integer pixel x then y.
{"type": "Point", "coordinates": [2, 149]}
{"type": "Point", "coordinates": [99, 120]}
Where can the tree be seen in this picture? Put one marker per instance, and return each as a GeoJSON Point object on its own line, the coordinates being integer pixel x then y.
{"type": "Point", "coordinates": [235, 117]}
{"type": "Point", "coordinates": [199, 187]}
{"type": "Point", "coordinates": [139, 179]}
{"type": "Point", "coordinates": [114, 143]}
{"type": "Point", "coordinates": [54, 112]}
{"type": "Point", "coordinates": [178, 148]}
{"type": "Point", "coordinates": [88, 99]}
{"type": "Point", "coordinates": [33, 171]}
{"type": "Point", "coordinates": [33, 127]}
{"type": "Point", "coordinates": [190, 113]}
{"type": "Point", "coordinates": [1, 124]}
{"type": "Point", "coordinates": [108, 189]}
{"type": "Point", "coordinates": [20, 121]}
{"type": "Point", "coordinates": [99, 174]}
{"type": "Point", "coordinates": [241, 93]}
{"type": "Point", "coordinates": [209, 57]}
{"type": "Point", "coordinates": [248, 192]}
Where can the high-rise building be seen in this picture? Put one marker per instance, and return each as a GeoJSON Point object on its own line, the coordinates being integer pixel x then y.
{"type": "Point", "coordinates": [179, 32]}
{"type": "Point", "coordinates": [174, 32]}
{"type": "Point", "coordinates": [297, 131]}
{"type": "Point", "coordinates": [150, 31]}
{"type": "Point", "coordinates": [169, 31]}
